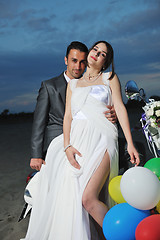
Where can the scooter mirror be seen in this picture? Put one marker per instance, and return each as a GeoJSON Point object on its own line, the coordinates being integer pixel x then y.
{"type": "Point", "coordinates": [131, 90]}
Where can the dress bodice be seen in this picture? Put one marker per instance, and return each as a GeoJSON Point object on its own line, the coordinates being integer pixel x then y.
{"type": "Point", "coordinates": [100, 92]}
{"type": "Point", "coordinates": [95, 94]}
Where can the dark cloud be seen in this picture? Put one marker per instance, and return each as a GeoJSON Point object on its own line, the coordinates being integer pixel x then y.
{"type": "Point", "coordinates": [134, 38]}
{"type": "Point", "coordinates": [89, 15]}
{"type": "Point", "coordinates": [30, 19]}
{"type": "Point", "coordinates": [146, 21]}
{"type": "Point", "coordinates": [9, 8]}
{"type": "Point", "coordinates": [40, 65]}
{"type": "Point", "coordinates": [39, 34]}
{"type": "Point", "coordinates": [38, 24]}
{"type": "Point", "coordinates": [21, 75]}
{"type": "Point", "coordinates": [28, 13]}
{"type": "Point", "coordinates": [38, 20]}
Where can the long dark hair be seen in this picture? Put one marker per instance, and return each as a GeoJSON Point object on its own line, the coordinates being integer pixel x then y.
{"type": "Point", "coordinates": [109, 57]}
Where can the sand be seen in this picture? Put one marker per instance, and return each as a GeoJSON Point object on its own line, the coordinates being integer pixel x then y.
{"type": "Point", "coordinates": [14, 169]}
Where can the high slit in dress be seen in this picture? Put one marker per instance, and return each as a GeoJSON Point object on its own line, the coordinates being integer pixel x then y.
{"type": "Point", "coordinates": [57, 212]}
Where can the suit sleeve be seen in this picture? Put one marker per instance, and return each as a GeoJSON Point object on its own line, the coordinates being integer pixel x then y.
{"type": "Point", "coordinates": [40, 122]}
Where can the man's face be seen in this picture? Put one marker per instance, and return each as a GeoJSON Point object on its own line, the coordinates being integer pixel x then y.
{"type": "Point", "coordinates": [76, 63]}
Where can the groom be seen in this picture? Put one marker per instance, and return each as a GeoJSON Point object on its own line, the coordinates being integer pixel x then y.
{"type": "Point", "coordinates": [50, 107]}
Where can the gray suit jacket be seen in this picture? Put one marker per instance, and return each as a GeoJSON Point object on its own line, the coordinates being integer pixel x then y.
{"type": "Point", "coordinates": [48, 115]}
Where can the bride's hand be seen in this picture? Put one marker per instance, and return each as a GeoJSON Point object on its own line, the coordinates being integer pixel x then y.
{"type": "Point", "coordinates": [133, 155]}
{"type": "Point", "coordinates": [71, 152]}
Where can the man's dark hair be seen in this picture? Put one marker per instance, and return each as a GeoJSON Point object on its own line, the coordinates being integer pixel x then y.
{"type": "Point", "coordinates": [76, 45]}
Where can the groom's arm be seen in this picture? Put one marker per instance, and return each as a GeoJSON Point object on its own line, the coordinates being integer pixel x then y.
{"type": "Point", "coordinates": [38, 129]}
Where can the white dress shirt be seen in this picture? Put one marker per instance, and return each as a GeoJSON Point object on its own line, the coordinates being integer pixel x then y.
{"type": "Point", "coordinates": [66, 77]}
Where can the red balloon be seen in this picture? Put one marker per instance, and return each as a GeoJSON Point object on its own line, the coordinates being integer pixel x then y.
{"type": "Point", "coordinates": [149, 228]}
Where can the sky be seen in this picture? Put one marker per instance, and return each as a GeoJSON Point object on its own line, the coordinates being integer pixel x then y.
{"type": "Point", "coordinates": [34, 36]}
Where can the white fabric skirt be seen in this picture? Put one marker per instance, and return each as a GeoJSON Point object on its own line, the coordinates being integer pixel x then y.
{"type": "Point", "coordinates": [57, 211]}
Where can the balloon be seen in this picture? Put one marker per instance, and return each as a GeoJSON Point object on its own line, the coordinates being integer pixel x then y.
{"type": "Point", "coordinates": [149, 228]}
{"type": "Point", "coordinates": [154, 165]}
{"type": "Point", "coordinates": [140, 188]}
{"type": "Point", "coordinates": [121, 222]}
{"type": "Point", "coordinates": [158, 207]}
{"type": "Point", "coordinates": [115, 191]}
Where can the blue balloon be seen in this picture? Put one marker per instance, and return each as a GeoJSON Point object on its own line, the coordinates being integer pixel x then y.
{"type": "Point", "coordinates": [121, 221]}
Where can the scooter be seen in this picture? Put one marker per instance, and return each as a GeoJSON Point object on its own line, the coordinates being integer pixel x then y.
{"type": "Point", "coordinates": [29, 194]}
{"type": "Point", "coordinates": [150, 119]}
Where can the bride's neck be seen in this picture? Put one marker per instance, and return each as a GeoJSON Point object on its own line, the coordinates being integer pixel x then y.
{"type": "Point", "coordinates": [92, 72]}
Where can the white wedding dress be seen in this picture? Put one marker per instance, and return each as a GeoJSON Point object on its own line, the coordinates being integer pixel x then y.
{"type": "Point", "coordinates": [57, 212]}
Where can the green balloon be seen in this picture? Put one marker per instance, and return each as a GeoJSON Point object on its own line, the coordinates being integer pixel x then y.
{"type": "Point", "coordinates": [154, 165]}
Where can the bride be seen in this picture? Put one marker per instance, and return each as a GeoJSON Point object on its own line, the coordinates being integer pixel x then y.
{"type": "Point", "coordinates": [84, 158]}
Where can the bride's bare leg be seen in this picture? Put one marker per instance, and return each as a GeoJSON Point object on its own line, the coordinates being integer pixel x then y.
{"type": "Point", "coordinates": [90, 201]}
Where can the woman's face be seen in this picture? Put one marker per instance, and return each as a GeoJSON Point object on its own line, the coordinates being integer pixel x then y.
{"type": "Point", "coordinates": [97, 56]}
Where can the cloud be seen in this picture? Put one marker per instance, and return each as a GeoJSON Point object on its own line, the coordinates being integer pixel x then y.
{"type": "Point", "coordinates": [37, 20]}
{"type": "Point", "coordinates": [21, 100]}
{"type": "Point", "coordinates": [21, 26]}
{"type": "Point", "coordinates": [9, 9]}
{"type": "Point", "coordinates": [90, 15]}
{"type": "Point", "coordinates": [38, 24]}
{"type": "Point", "coordinates": [23, 73]}
{"type": "Point", "coordinates": [35, 34]}
{"type": "Point", "coordinates": [25, 102]}
{"type": "Point", "coordinates": [142, 21]}
{"type": "Point", "coordinates": [154, 66]}
{"type": "Point", "coordinates": [134, 38]}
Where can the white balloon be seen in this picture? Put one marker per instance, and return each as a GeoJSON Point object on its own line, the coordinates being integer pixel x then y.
{"type": "Point", "coordinates": [140, 188]}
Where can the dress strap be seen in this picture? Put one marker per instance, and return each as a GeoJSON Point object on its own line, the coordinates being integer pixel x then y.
{"type": "Point", "coordinates": [105, 78]}
{"type": "Point", "coordinates": [72, 84]}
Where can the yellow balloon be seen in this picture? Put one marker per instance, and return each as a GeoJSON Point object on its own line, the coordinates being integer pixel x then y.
{"type": "Point", "coordinates": [115, 191]}
{"type": "Point", "coordinates": [158, 207]}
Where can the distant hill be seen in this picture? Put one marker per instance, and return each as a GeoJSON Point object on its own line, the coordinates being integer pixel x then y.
{"type": "Point", "coordinates": [6, 116]}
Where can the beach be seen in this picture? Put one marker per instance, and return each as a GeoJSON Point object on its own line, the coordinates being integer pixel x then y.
{"type": "Point", "coordinates": [14, 159]}
{"type": "Point", "coordinates": [14, 169]}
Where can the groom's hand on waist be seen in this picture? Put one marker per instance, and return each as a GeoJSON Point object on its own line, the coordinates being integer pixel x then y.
{"type": "Point", "coordinates": [110, 114]}
{"type": "Point", "coordinates": [36, 163]}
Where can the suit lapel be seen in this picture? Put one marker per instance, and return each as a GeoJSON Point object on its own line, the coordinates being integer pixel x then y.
{"type": "Point", "coordinates": [62, 88]}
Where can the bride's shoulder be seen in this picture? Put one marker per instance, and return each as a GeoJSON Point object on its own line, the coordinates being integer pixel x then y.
{"type": "Point", "coordinates": [106, 76]}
